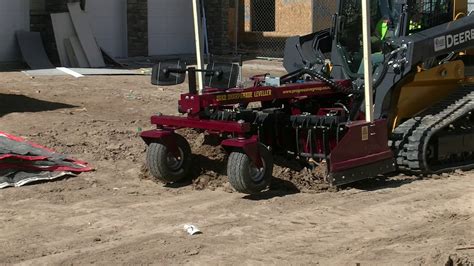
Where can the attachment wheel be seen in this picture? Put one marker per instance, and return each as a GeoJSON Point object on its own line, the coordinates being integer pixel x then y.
{"type": "Point", "coordinates": [165, 166]}
{"type": "Point", "coordinates": [245, 176]}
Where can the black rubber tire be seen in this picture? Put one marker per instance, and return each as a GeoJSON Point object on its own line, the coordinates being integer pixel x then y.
{"type": "Point", "coordinates": [238, 171]}
{"type": "Point", "coordinates": [157, 161]}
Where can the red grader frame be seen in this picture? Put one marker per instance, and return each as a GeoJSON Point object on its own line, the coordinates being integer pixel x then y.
{"type": "Point", "coordinates": [303, 117]}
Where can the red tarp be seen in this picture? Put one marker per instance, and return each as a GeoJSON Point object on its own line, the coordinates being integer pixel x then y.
{"type": "Point", "coordinates": [23, 162]}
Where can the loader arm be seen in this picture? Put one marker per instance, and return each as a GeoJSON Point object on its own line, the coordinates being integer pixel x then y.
{"type": "Point", "coordinates": [416, 49]}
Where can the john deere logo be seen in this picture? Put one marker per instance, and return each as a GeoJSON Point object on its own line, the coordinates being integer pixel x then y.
{"type": "Point", "coordinates": [440, 43]}
{"type": "Point", "coordinates": [453, 40]}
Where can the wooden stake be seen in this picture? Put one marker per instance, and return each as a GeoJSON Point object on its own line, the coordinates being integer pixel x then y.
{"type": "Point", "coordinates": [198, 40]}
{"type": "Point", "coordinates": [369, 106]}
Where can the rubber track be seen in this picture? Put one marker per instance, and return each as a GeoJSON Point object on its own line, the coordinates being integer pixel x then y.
{"type": "Point", "coordinates": [408, 140]}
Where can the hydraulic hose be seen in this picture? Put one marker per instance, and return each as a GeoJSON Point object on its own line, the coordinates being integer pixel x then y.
{"type": "Point", "coordinates": [333, 84]}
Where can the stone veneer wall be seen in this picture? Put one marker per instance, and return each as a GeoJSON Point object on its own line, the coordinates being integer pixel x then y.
{"type": "Point", "coordinates": [217, 15]}
{"type": "Point", "coordinates": [137, 20]}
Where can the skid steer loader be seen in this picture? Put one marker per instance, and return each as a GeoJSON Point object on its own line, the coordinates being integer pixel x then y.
{"type": "Point", "coordinates": [421, 92]}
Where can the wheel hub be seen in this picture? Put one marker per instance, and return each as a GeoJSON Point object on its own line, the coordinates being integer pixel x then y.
{"type": "Point", "coordinates": [257, 173]}
{"type": "Point", "coordinates": [175, 163]}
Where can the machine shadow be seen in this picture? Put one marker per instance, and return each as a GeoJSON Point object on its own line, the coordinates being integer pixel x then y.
{"type": "Point", "coordinates": [180, 184]}
{"type": "Point", "coordinates": [382, 182]}
{"type": "Point", "coordinates": [12, 103]}
{"type": "Point", "coordinates": [201, 163]}
{"type": "Point", "coordinates": [279, 188]}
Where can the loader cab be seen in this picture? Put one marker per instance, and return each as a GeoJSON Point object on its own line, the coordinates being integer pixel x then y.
{"type": "Point", "coordinates": [425, 14]}
{"type": "Point", "coordinates": [390, 19]}
{"type": "Point", "coordinates": [385, 26]}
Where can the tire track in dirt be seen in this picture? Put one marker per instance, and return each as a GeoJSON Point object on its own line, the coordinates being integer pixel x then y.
{"type": "Point", "coordinates": [324, 225]}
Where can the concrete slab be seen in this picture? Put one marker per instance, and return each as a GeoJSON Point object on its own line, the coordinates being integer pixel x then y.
{"type": "Point", "coordinates": [105, 71]}
{"type": "Point", "coordinates": [83, 71]}
{"type": "Point", "coordinates": [44, 72]}
{"type": "Point", "coordinates": [85, 35]}
{"type": "Point", "coordinates": [32, 49]}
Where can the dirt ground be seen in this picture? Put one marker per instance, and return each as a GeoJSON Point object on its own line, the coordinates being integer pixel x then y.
{"type": "Point", "coordinates": [117, 214]}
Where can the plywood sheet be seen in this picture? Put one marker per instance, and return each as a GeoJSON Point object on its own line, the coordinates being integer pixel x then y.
{"type": "Point", "coordinates": [79, 52]}
{"type": "Point", "coordinates": [70, 72]}
{"type": "Point", "coordinates": [291, 17]}
{"type": "Point", "coordinates": [32, 49]}
{"type": "Point", "coordinates": [70, 53]}
{"type": "Point", "coordinates": [63, 29]}
{"type": "Point", "coordinates": [85, 35]}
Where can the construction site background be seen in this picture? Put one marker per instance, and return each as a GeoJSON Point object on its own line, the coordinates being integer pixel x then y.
{"type": "Point", "coordinates": [263, 26]}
